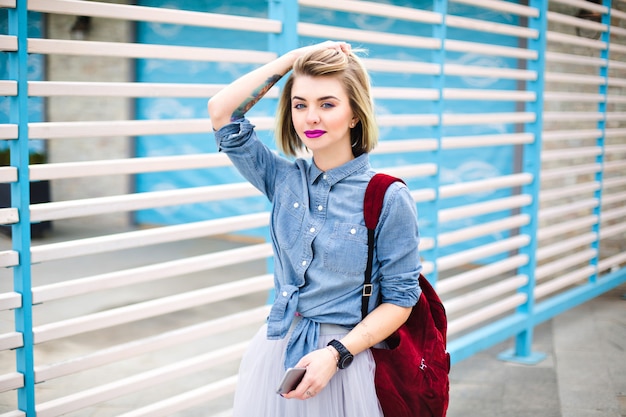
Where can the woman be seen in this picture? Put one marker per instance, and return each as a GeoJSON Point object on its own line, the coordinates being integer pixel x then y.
{"type": "Point", "coordinates": [319, 235]}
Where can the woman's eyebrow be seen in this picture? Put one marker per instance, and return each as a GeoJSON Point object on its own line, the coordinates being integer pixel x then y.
{"type": "Point", "coordinates": [319, 99]}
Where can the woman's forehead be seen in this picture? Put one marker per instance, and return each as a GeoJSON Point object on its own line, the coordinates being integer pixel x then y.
{"type": "Point", "coordinates": [313, 88]}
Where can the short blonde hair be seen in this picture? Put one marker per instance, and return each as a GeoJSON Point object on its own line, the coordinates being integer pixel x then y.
{"type": "Point", "coordinates": [351, 72]}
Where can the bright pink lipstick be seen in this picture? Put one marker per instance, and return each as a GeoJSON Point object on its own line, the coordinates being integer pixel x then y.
{"type": "Point", "coordinates": [311, 134]}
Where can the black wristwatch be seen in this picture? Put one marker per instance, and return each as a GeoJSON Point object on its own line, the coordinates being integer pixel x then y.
{"type": "Point", "coordinates": [345, 357]}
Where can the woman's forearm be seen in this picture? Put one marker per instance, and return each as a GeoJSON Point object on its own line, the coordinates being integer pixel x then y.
{"type": "Point", "coordinates": [376, 327]}
{"type": "Point", "coordinates": [237, 98]}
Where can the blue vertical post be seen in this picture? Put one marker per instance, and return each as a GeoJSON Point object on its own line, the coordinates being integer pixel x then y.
{"type": "Point", "coordinates": [531, 163]}
{"type": "Point", "coordinates": [600, 141]}
{"type": "Point", "coordinates": [439, 57]}
{"type": "Point", "coordinates": [287, 12]}
{"type": "Point", "coordinates": [20, 199]}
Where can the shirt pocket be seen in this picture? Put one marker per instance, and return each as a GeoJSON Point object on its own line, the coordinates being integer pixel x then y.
{"type": "Point", "coordinates": [346, 251]}
{"type": "Point", "coordinates": [287, 218]}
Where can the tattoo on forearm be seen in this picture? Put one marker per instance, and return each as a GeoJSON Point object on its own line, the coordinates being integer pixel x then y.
{"type": "Point", "coordinates": [255, 97]}
{"type": "Point", "coordinates": [366, 335]}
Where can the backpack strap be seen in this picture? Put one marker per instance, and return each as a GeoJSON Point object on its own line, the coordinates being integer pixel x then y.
{"type": "Point", "coordinates": [372, 207]}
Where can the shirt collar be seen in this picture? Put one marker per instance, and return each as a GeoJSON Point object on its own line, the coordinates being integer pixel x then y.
{"type": "Point", "coordinates": [357, 165]}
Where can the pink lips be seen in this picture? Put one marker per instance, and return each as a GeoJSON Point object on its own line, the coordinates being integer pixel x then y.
{"type": "Point", "coordinates": [311, 134]}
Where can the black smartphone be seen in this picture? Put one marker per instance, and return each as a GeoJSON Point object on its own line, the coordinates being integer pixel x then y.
{"type": "Point", "coordinates": [290, 380]}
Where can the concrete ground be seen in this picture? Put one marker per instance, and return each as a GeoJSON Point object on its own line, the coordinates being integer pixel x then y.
{"type": "Point", "coordinates": [583, 375]}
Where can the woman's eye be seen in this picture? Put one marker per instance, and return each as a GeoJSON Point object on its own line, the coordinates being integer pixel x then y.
{"type": "Point", "coordinates": [298, 106]}
{"type": "Point", "coordinates": [327, 105]}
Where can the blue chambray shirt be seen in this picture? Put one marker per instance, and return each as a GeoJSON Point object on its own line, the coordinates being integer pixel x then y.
{"type": "Point", "coordinates": [320, 239]}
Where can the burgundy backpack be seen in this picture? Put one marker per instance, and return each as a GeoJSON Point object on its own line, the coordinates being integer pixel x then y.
{"type": "Point", "coordinates": [412, 374]}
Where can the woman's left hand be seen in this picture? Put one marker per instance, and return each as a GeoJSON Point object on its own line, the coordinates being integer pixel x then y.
{"type": "Point", "coordinates": [320, 366]}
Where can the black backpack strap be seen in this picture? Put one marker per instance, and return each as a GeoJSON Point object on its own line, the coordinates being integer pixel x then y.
{"type": "Point", "coordinates": [372, 207]}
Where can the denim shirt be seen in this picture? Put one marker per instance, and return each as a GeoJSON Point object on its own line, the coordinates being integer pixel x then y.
{"type": "Point", "coordinates": [320, 240]}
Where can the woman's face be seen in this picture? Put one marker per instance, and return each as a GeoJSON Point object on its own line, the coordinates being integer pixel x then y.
{"type": "Point", "coordinates": [322, 118]}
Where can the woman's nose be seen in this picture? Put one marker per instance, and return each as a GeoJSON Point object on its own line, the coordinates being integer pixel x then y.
{"type": "Point", "coordinates": [312, 116]}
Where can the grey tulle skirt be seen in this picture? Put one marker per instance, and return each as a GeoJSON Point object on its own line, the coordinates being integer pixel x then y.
{"type": "Point", "coordinates": [350, 393]}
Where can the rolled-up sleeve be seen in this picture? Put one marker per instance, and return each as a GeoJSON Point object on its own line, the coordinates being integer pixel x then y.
{"type": "Point", "coordinates": [397, 240]}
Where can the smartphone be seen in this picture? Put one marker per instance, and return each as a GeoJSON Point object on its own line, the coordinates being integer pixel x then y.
{"type": "Point", "coordinates": [290, 380]}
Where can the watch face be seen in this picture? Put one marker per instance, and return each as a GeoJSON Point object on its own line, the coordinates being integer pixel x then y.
{"type": "Point", "coordinates": [345, 361]}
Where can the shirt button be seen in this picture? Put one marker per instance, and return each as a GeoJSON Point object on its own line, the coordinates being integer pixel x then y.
{"type": "Point", "coordinates": [312, 230]}
{"type": "Point", "coordinates": [353, 231]}
{"type": "Point", "coordinates": [320, 208]}
{"type": "Point", "coordinates": [324, 176]}
{"type": "Point", "coordinates": [303, 263]}
{"type": "Point", "coordinates": [296, 205]}
{"type": "Point", "coordinates": [284, 293]}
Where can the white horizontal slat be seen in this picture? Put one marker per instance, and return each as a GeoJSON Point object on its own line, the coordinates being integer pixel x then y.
{"type": "Point", "coordinates": [613, 182]}
{"type": "Point", "coordinates": [493, 310]}
{"type": "Point", "coordinates": [146, 51]}
{"type": "Point", "coordinates": [375, 9]}
{"type": "Point", "coordinates": [154, 236]}
{"type": "Point", "coordinates": [139, 381]}
{"type": "Point", "coordinates": [8, 174]}
{"type": "Point", "coordinates": [612, 198]}
{"type": "Point", "coordinates": [425, 194]}
{"type": "Point", "coordinates": [570, 97]}
{"type": "Point", "coordinates": [426, 243]}
{"type": "Point", "coordinates": [567, 208]}
{"type": "Point", "coordinates": [126, 166]}
{"type": "Point", "coordinates": [8, 131]}
{"type": "Point", "coordinates": [563, 281]}
{"type": "Point", "coordinates": [557, 135]}
{"type": "Point", "coordinates": [160, 341]}
{"type": "Point", "coordinates": [126, 89]}
{"type": "Point", "coordinates": [616, 48]}
{"type": "Point", "coordinates": [487, 118]}
{"type": "Point", "coordinates": [560, 77]}
{"type": "Point", "coordinates": [8, 43]}
{"type": "Point", "coordinates": [411, 171]}
{"type": "Point", "coordinates": [481, 252]}
{"type": "Point", "coordinates": [456, 142]}
{"type": "Point", "coordinates": [480, 274]}
{"type": "Point", "coordinates": [130, 202]}
{"type": "Point", "coordinates": [12, 381]}
{"type": "Point", "coordinates": [489, 184]}
{"type": "Point", "coordinates": [492, 206]}
{"type": "Point", "coordinates": [152, 308]}
{"type": "Point", "coordinates": [16, 413]}
{"type": "Point", "coordinates": [9, 215]}
{"type": "Point", "coordinates": [494, 95]}
{"type": "Point", "coordinates": [9, 341]}
{"type": "Point", "coordinates": [560, 154]}
{"type": "Point", "coordinates": [189, 399]}
{"type": "Point", "coordinates": [399, 120]}
{"type": "Point", "coordinates": [560, 57]}
{"type": "Point", "coordinates": [582, 223]}
{"type": "Point", "coordinates": [501, 6]}
{"type": "Point", "coordinates": [407, 145]}
{"type": "Point", "coordinates": [332, 32]}
{"type": "Point", "coordinates": [612, 214]}
{"type": "Point", "coordinates": [573, 40]}
{"type": "Point", "coordinates": [611, 149]}
{"type": "Point", "coordinates": [490, 27]}
{"type": "Point", "coordinates": [615, 230]}
{"type": "Point", "coordinates": [496, 226]}
{"type": "Point", "coordinates": [568, 116]}
{"type": "Point", "coordinates": [577, 190]}
{"type": "Point", "coordinates": [8, 88]}
{"type": "Point", "coordinates": [565, 246]}
{"type": "Point", "coordinates": [488, 72]}
{"type": "Point", "coordinates": [584, 4]}
{"type": "Point", "coordinates": [403, 93]}
{"type": "Point", "coordinates": [10, 301]}
{"type": "Point", "coordinates": [8, 3]}
{"type": "Point", "coordinates": [618, 166]}
{"type": "Point", "coordinates": [427, 267]}
{"type": "Point", "coordinates": [149, 273]}
{"type": "Point", "coordinates": [612, 262]}
{"type": "Point", "coordinates": [489, 49]}
{"type": "Point", "coordinates": [9, 258]}
{"type": "Point", "coordinates": [569, 172]}
{"type": "Point", "coordinates": [154, 14]}
{"type": "Point", "coordinates": [395, 66]}
{"type": "Point", "coordinates": [575, 21]}
{"type": "Point", "coordinates": [53, 130]}
{"type": "Point", "coordinates": [562, 264]}
{"type": "Point", "coordinates": [478, 297]}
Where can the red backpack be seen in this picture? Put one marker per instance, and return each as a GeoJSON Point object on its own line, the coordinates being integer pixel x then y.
{"type": "Point", "coordinates": [412, 374]}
